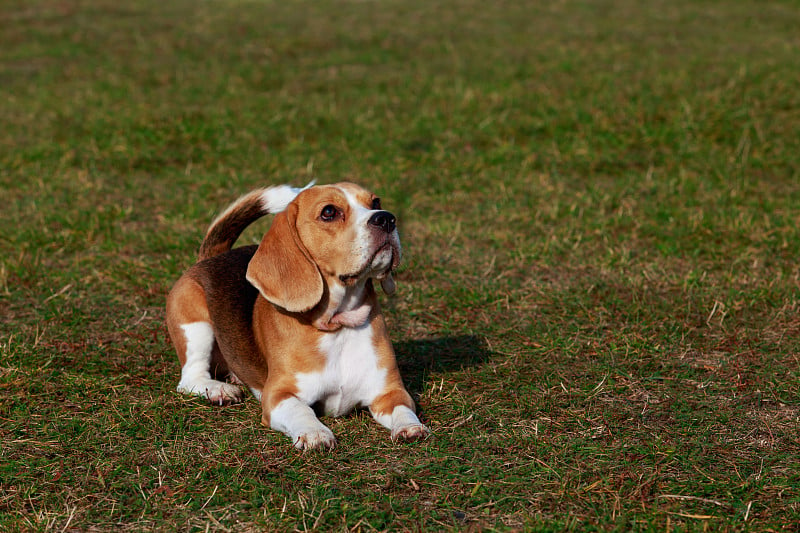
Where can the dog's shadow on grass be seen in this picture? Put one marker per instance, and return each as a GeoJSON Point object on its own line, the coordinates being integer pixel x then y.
{"type": "Point", "coordinates": [417, 358]}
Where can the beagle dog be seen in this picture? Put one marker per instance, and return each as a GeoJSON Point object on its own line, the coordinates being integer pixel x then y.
{"type": "Point", "coordinates": [296, 318]}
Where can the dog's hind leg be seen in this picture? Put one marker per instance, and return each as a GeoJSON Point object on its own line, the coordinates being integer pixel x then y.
{"type": "Point", "coordinates": [196, 371]}
{"type": "Point", "coordinates": [191, 332]}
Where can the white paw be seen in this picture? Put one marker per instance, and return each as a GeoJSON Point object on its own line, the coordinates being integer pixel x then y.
{"type": "Point", "coordinates": [321, 438]}
{"type": "Point", "coordinates": [296, 419]}
{"type": "Point", "coordinates": [410, 432]}
{"type": "Point", "coordinates": [216, 392]}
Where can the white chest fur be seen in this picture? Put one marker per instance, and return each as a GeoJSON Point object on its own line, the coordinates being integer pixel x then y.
{"type": "Point", "coordinates": [351, 377]}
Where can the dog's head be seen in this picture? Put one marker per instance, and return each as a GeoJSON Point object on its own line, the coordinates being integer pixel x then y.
{"type": "Point", "coordinates": [332, 235]}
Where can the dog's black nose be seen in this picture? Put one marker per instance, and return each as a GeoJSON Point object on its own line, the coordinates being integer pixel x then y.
{"type": "Point", "coordinates": [384, 220]}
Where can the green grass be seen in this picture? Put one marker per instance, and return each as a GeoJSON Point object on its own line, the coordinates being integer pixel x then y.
{"type": "Point", "coordinates": [598, 310]}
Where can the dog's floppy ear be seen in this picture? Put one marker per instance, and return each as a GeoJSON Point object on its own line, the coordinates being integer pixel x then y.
{"type": "Point", "coordinates": [282, 270]}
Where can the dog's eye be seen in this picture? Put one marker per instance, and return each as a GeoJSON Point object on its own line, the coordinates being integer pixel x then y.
{"type": "Point", "coordinates": [328, 213]}
{"type": "Point", "coordinates": [376, 203]}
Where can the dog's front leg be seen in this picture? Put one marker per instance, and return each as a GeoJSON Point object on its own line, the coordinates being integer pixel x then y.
{"type": "Point", "coordinates": [395, 411]}
{"type": "Point", "coordinates": [296, 419]}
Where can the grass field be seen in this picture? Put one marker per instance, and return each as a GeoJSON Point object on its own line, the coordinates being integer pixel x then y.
{"type": "Point", "coordinates": [599, 310]}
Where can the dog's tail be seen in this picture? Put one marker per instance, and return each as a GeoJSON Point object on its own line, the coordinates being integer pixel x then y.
{"type": "Point", "coordinates": [227, 227]}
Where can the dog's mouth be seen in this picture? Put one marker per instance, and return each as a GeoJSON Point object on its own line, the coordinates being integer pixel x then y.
{"type": "Point", "coordinates": [370, 269]}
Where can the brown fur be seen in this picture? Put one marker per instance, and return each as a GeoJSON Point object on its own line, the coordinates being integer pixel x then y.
{"type": "Point", "coordinates": [270, 305]}
{"type": "Point", "coordinates": [395, 392]}
{"type": "Point", "coordinates": [282, 269]}
{"type": "Point", "coordinates": [226, 228]}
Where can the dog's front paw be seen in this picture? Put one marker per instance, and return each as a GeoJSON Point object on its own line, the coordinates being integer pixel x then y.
{"type": "Point", "coordinates": [411, 432]}
{"type": "Point", "coordinates": [321, 438]}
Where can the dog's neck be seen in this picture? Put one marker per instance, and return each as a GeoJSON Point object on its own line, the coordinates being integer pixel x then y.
{"type": "Point", "coordinates": [348, 306]}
